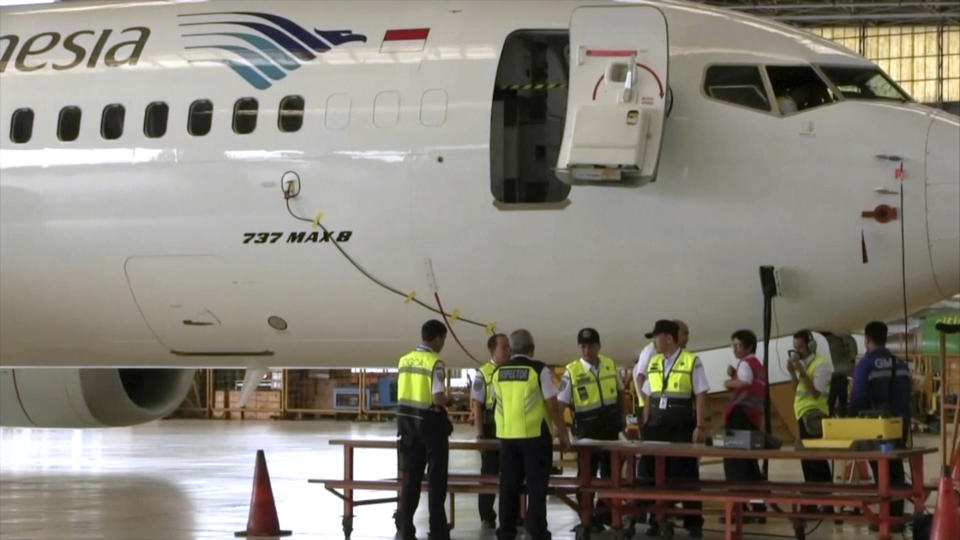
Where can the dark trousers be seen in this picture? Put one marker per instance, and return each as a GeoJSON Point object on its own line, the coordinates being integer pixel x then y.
{"type": "Point", "coordinates": [423, 443]}
{"type": "Point", "coordinates": [530, 459]}
{"type": "Point", "coordinates": [814, 470]}
{"type": "Point", "coordinates": [837, 400]}
{"type": "Point", "coordinates": [675, 427]}
{"type": "Point", "coordinates": [742, 470]}
{"type": "Point", "coordinates": [489, 464]}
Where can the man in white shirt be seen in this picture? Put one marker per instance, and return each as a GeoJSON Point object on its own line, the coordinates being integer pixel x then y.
{"type": "Point", "coordinates": [640, 369]}
{"type": "Point", "coordinates": [481, 394]}
{"type": "Point", "coordinates": [676, 389]}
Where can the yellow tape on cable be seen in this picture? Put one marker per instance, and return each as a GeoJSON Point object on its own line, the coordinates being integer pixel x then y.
{"type": "Point", "coordinates": [316, 220]}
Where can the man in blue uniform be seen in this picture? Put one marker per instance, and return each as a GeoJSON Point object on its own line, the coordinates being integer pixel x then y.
{"type": "Point", "coordinates": [881, 385]}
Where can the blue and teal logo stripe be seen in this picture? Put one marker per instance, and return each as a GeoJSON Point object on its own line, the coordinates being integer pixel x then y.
{"type": "Point", "coordinates": [268, 47]}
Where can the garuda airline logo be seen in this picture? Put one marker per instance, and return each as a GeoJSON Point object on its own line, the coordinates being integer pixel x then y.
{"type": "Point", "coordinates": [260, 47]}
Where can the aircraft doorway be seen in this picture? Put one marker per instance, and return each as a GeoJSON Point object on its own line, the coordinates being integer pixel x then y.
{"type": "Point", "coordinates": [529, 113]}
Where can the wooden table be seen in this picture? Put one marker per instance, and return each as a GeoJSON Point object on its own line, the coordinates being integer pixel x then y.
{"type": "Point", "coordinates": [623, 494]}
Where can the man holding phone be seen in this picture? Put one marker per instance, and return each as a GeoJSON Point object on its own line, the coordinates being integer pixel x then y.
{"type": "Point", "coordinates": [810, 373]}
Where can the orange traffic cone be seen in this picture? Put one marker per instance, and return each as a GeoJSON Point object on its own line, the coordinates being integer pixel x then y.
{"type": "Point", "coordinates": [946, 523]}
{"type": "Point", "coordinates": [263, 511]}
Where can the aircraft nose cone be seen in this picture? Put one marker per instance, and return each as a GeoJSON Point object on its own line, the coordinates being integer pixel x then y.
{"type": "Point", "coordinates": [943, 202]}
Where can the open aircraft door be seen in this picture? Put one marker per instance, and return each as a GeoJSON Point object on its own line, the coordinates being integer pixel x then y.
{"type": "Point", "coordinates": [617, 101]}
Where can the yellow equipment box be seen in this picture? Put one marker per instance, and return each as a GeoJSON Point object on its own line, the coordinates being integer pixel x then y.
{"type": "Point", "coordinates": [862, 428]}
{"type": "Point", "coordinates": [860, 432]}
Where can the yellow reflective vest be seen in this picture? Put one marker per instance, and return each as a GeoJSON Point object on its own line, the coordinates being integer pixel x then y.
{"type": "Point", "coordinates": [489, 420]}
{"type": "Point", "coordinates": [520, 409]}
{"type": "Point", "coordinates": [679, 383]}
{"type": "Point", "coordinates": [596, 398]}
{"type": "Point", "coordinates": [415, 382]}
{"type": "Point", "coordinates": [486, 371]}
{"type": "Point", "coordinates": [803, 400]}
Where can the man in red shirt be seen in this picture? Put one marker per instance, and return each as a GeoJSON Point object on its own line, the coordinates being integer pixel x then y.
{"type": "Point", "coordinates": [744, 410]}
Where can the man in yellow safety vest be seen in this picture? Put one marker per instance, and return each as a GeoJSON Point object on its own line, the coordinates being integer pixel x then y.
{"type": "Point", "coordinates": [676, 389]}
{"type": "Point", "coordinates": [481, 393]}
{"type": "Point", "coordinates": [524, 398]}
{"type": "Point", "coordinates": [424, 430]}
{"type": "Point", "coordinates": [592, 387]}
{"type": "Point", "coordinates": [810, 373]}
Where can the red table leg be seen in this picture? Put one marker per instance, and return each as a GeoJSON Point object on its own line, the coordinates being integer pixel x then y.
{"type": "Point", "coordinates": [728, 520]}
{"type": "Point", "coordinates": [586, 495]}
{"type": "Point", "coordinates": [916, 478]}
{"type": "Point", "coordinates": [883, 490]}
{"type": "Point", "coordinates": [660, 482]}
{"type": "Point", "coordinates": [616, 517]}
{"type": "Point", "coordinates": [347, 492]}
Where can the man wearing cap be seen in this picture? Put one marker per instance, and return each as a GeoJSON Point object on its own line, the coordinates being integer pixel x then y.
{"type": "Point", "coordinates": [643, 362]}
{"type": "Point", "coordinates": [592, 387]}
{"type": "Point", "coordinates": [676, 389]}
{"type": "Point", "coordinates": [483, 419]}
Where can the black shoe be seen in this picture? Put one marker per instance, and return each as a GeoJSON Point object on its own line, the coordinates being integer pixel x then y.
{"type": "Point", "coordinates": [695, 532]}
{"type": "Point", "coordinates": [489, 523]}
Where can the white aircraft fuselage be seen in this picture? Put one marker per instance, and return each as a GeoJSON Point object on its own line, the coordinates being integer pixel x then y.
{"type": "Point", "coordinates": [175, 251]}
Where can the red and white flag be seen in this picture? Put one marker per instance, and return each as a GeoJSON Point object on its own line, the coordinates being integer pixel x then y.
{"type": "Point", "coordinates": [404, 40]}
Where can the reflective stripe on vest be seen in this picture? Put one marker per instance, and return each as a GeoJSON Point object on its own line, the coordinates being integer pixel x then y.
{"type": "Point", "coordinates": [803, 400]}
{"type": "Point", "coordinates": [486, 371]}
{"type": "Point", "coordinates": [589, 391]}
{"type": "Point", "coordinates": [679, 380]}
{"type": "Point", "coordinates": [415, 380]}
{"type": "Point", "coordinates": [520, 409]}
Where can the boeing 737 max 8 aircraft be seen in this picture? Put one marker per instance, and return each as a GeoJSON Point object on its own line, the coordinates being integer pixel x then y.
{"type": "Point", "coordinates": [548, 165]}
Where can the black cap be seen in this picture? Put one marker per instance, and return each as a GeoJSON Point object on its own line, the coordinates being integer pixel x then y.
{"type": "Point", "coordinates": [587, 335]}
{"type": "Point", "coordinates": [663, 326]}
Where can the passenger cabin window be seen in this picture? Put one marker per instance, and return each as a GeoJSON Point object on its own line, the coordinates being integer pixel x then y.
{"type": "Point", "coordinates": [741, 85]}
{"type": "Point", "coordinates": [111, 122]}
{"type": "Point", "coordinates": [798, 88]}
{"type": "Point", "coordinates": [244, 116]}
{"type": "Point", "coordinates": [68, 123]}
{"type": "Point", "coordinates": [200, 117]}
{"type": "Point", "coordinates": [529, 110]}
{"type": "Point", "coordinates": [291, 114]}
{"type": "Point", "coordinates": [21, 125]}
{"type": "Point", "coordinates": [863, 83]}
{"type": "Point", "coordinates": [155, 119]}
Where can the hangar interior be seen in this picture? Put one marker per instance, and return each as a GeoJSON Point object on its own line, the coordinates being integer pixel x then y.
{"type": "Point", "coordinates": [188, 476]}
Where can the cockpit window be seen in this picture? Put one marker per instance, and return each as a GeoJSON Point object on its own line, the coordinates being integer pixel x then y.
{"type": "Point", "coordinates": [863, 83]}
{"type": "Point", "coordinates": [798, 88]}
{"type": "Point", "coordinates": [737, 84]}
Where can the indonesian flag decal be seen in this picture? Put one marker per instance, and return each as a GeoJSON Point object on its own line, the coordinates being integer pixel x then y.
{"type": "Point", "coordinates": [404, 40]}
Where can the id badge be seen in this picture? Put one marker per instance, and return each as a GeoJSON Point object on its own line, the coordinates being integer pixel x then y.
{"type": "Point", "coordinates": [663, 403]}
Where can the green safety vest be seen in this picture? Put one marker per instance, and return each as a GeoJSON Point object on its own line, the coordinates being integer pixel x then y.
{"type": "Point", "coordinates": [486, 371]}
{"type": "Point", "coordinates": [803, 400]}
{"type": "Point", "coordinates": [680, 380]}
{"type": "Point", "coordinates": [520, 410]}
{"type": "Point", "coordinates": [489, 421]}
{"type": "Point", "coordinates": [596, 398]}
{"type": "Point", "coordinates": [415, 382]}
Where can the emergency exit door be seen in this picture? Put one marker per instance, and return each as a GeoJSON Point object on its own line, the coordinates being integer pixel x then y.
{"type": "Point", "coordinates": [618, 94]}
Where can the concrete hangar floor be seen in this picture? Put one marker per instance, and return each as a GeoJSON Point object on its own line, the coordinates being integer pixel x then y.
{"type": "Point", "coordinates": [191, 479]}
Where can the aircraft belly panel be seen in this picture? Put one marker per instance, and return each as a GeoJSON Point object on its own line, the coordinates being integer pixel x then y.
{"type": "Point", "coordinates": [187, 303]}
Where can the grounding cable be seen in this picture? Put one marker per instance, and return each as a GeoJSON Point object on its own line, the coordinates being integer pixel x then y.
{"type": "Point", "coordinates": [289, 193]}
